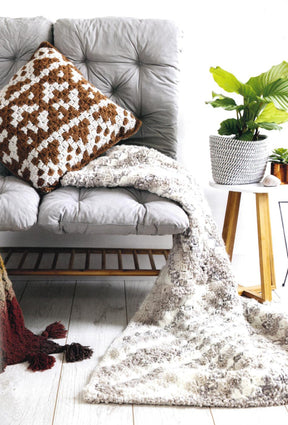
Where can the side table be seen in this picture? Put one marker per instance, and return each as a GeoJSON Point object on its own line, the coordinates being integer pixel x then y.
{"type": "Point", "coordinates": [261, 292]}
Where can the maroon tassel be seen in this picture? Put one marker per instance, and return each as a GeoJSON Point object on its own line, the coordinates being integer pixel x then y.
{"type": "Point", "coordinates": [40, 362]}
{"type": "Point", "coordinates": [55, 331]}
{"type": "Point", "coordinates": [76, 352]}
{"type": "Point", "coordinates": [18, 344]}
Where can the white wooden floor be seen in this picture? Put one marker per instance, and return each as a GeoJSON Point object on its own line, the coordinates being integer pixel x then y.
{"type": "Point", "coordinates": [95, 312]}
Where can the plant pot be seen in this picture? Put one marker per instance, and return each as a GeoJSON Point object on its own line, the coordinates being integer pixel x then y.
{"type": "Point", "coordinates": [280, 171]}
{"type": "Point", "coordinates": [237, 161]}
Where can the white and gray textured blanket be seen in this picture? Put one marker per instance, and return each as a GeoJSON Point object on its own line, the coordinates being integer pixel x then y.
{"type": "Point", "coordinates": [194, 341]}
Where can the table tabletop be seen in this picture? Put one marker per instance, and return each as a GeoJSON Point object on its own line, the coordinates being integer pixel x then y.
{"type": "Point", "coordinates": [250, 188]}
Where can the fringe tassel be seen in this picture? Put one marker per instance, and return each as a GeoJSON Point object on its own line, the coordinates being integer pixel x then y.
{"type": "Point", "coordinates": [18, 344]}
{"type": "Point", "coordinates": [76, 352]}
{"type": "Point", "coordinates": [40, 362]}
{"type": "Point", "coordinates": [55, 331]}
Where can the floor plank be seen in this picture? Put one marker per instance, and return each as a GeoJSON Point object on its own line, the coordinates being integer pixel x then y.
{"type": "Point", "coordinates": [160, 415]}
{"type": "Point", "coordinates": [101, 309]}
{"type": "Point", "coordinates": [28, 398]}
{"type": "Point", "coordinates": [19, 288]}
{"type": "Point", "coordinates": [18, 285]}
{"type": "Point", "coordinates": [261, 415]}
{"type": "Point", "coordinates": [99, 315]}
{"type": "Point", "coordinates": [135, 293]}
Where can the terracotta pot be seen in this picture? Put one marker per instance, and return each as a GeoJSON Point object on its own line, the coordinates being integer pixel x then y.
{"type": "Point", "coordinates": [280, 171]}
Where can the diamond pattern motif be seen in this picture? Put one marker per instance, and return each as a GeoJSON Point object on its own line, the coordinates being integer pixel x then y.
{"type": "Point", "coordinates": [52, 120]}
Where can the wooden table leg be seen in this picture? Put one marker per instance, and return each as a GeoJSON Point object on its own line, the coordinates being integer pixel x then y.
{"type": "Point", "coordinates": [265, 246]}
{"type": "Point", "coordinates": [273, 279]}
{"type": "Point", "coordinates": [230, 221]}
{"type": "Point", "coordinates": [266, 260]}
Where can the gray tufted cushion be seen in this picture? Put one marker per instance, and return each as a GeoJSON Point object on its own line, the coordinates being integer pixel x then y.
{"type": "Point", "coordinates": [4, 171]}
{"type": "Point", "coordinates": [132, 62]}
{"type": "Point", "coordinates": [20, 37]}
{"type": "Point", "coordinates": [116, 211]}
{"type": "Point", "coordinates": [135, 62]}
{"type": "Point", "coordinates": [19, 204]}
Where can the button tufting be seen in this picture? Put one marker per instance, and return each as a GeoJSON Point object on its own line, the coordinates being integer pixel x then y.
{"type": "Point", "coordinates": [138, 64]}
{"type": "Point", "coordinates": [114, 90]}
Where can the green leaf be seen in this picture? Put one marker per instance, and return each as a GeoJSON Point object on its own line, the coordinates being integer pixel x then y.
{"type": "Point", "coordinates": [229, 126]}
{"type": "Point", "coordinates": [263, 80]}
{"type": "Point", "coordinates": [283, 152]}
{"type": "Point", "coordinates": [251, 125]}
{"type": "Point", "coordinates": [274, 158]}
{"type": "Point", "coordinates": [272, 114]}
{"type": "Point", "coordinates": [279, 155]}
{"type": "Point", "coordinates": [277, 92]}
{"type": "Point", "coordinates": [226, 80]}
{"type": "Point", "coordinates": [252, 109]}
{"type": "Point", "coordinates": [269, 125]}
{"type": "Point", "coordinates": [247, 136]}
{"type": "Point", "coordinates": [227, 103]}
{"type": "Point", "coordinates": [247, 91]}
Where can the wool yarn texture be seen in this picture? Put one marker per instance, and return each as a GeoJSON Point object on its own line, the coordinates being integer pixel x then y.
{"type": "Point", "coordinates": [194, 341]}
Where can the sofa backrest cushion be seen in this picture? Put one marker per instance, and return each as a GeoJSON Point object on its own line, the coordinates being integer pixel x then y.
{"type": "Point", "coordinates": [20, 37]}
{"type": "Point", "coordinates": [135, 63]}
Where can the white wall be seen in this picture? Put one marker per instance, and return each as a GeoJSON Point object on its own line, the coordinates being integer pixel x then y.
{"type": "Point", "coordinates": [245, 37]}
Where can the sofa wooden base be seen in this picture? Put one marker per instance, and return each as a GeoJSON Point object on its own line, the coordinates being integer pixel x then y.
{"type": "Point", "coordinates": [142, 262]}
{"type": "Point", "coordinates": [83, 261]}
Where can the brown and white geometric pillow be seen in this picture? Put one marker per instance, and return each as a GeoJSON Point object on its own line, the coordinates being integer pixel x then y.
{"type": "Point", "coordinates": [52, 120]}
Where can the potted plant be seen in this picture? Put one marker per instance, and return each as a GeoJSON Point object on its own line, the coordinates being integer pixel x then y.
{"type": "Point", "coordinates": [279, 164]}
{"type": "Point", "coordinates": [239, 153]}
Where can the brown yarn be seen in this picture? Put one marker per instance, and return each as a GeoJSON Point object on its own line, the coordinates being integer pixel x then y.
{"type": "Point", "coordinates": [56, 126]}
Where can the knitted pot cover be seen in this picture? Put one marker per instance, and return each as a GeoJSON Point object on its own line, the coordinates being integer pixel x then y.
{"type": "Point", "coordinates": [194, 341]}
{"type": "Point", "coordinates": [19, 344]}
{"type": "Point", "coordinates": [238, 161]}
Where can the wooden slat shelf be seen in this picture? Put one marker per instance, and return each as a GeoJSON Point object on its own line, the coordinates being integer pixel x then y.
{"type": "Point", "coordinates": [18, 256]}
{"type": "Point", "coordinates": [21, 255]}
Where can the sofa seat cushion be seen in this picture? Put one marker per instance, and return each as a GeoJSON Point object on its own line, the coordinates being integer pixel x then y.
{"type": "Point", "coordinates": [120, 211]}
{"type": "Point", "coordinates": [18, 204]}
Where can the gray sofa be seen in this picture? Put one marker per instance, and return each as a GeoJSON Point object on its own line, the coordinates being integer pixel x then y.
{"type": "Point", "coordinates": [135, 62]}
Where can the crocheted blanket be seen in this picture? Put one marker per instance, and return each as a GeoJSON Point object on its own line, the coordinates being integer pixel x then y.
{"type": "Point", "coordinates": [194, 341]}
